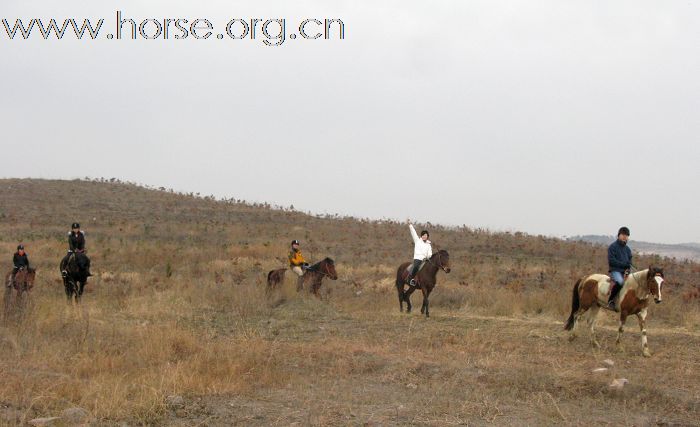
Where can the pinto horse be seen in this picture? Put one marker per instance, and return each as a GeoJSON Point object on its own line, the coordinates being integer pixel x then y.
{"type": "Point", "coordinates": [74, 278]}
{"type": "Point", "coordinates": [23, 283]}
{"type": "Point", "coordinates": [314, 275]}
{"type": "Point", "coordinates": [425, 280]}
{"type": "Point", "coordinates": [591, 293]}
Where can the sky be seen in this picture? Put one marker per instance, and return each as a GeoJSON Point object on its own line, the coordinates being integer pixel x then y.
{"type": "Point", "coordinates": [548, 117]}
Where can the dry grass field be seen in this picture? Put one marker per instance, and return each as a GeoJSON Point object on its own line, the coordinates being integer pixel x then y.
{"type": "Point", "coordinates": [176, 327]}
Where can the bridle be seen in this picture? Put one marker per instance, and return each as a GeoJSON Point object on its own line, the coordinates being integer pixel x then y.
{"type": "Point", "coordinates": [318, 270]}
{"type": "Point", "coordinates": [439, 256]}
{"type": "Point", "coordinates": [647, 286]}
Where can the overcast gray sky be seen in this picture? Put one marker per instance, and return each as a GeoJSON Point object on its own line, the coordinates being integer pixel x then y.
{"type": "Point", "coordinates": [552, 117]}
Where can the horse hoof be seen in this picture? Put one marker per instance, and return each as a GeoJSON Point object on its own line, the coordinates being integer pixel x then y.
{"type": "Point", "coordinates": [572, 337]}
{"type": "Point", "coordinates": [596, 344]}
{"type": "Point", "coordinates": [646, 353]}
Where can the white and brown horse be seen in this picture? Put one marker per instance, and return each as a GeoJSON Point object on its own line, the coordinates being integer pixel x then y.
{"type": "Point", "coordinates": [592, 292]}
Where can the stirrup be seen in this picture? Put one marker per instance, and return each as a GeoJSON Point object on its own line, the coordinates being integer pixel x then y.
{"type": "Point", "coordinates": [412, 282]}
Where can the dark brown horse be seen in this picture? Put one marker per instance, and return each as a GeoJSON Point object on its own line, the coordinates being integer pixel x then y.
{"type": "Point", "coordinates": [23, 283]}
{"type": "Point", "coordinates": [313, 276]}
{"type": "Point", "coordinates": [275, 278]}
{"type": "Point", "coordinates": [425, 280]}
{"type": "Point", "coordinates": [74, 278]}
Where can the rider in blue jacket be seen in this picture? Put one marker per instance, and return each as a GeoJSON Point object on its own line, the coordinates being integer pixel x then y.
{"type": "Point", "coordinates": [619, 262]}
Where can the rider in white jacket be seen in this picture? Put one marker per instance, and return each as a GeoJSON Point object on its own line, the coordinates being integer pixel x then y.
{"type": "Point", "coordinates": [423, 250]}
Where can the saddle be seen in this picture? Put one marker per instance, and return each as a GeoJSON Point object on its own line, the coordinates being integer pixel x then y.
{"type": "Point", "coordinates": [410, 267]}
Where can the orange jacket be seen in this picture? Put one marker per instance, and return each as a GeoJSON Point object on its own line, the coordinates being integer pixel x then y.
{"type": "Point", "coordinates": [296, 259]}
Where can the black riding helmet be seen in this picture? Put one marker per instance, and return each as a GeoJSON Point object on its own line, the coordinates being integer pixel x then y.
{"type": "Point", "coordinates": [295, 242]}
{"type": "Point", "coordinates": [20, 247]}
{"type": "Point", "coordinates": [623, 230]}
{"type": "Point", "coordinates": [75, 225]}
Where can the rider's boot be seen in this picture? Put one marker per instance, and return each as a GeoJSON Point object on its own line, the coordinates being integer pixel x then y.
{"type": "Point", "coordinates": [613, 294]}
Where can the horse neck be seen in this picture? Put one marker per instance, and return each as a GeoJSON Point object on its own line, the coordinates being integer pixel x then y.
{"type": "Point", "coordinates": [638, 282]}
{"type": "Point", "coordinates": [431, 269]}
{"type": "Point", "coordinates": [316, 272]}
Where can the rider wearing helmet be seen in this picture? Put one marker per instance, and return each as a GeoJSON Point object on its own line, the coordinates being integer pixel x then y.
{"type": "Point", "coordinates": [422, 251]}
{"type": "Point", "coordinates": [619, 262]}
{"type": "Point", "coordinates": [76, 245]}
{"type": "Point", "coordinates": [19, 261]}
{"type": "Point", "coordinates": [296, 260]}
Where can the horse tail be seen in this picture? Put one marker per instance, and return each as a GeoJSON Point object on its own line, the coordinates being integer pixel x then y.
{"type": "Point", "coordinates": [399, 279]}
{"type": "Point", "coordinates": [269, 277]}
{"type": "Point", "coordinates": [575, 304]}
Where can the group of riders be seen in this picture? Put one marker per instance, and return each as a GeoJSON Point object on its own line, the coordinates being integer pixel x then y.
{"type": "Point", "coordinates": [76, 250]}
{"type": "Point", "coordinates": [619, 257]}
{"type": "Point", "coordinates": [422, 252]}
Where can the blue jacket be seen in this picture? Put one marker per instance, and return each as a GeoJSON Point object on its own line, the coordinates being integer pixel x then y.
{"type": "Point", "coordinates": [619, 257]}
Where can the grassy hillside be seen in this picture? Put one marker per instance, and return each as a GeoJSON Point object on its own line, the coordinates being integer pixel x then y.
{"type": "Point", "coordinates": [177, 307]}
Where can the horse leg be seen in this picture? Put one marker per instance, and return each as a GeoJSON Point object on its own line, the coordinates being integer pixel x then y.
{"type": "Point", "coordinates": [623, 319]}
{"type": "Point", "coordinates": [407, 297]}
{"type": "Point", "coordinates": [69, 290]}
{"type": "Point", "coordinates": [641, 316]}
{"type": "Point", "coordinates": [79, 291]}
{"type": "Point", "coordinates": [8, 301]}
{"type": "Point", "coordinates": [592, 317]}
{"type": "Point", "coordinates": [399, 288]}
{"type": "Point", "coordinates": [424, 307]}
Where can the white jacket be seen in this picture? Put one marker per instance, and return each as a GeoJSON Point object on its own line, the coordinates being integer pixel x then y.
{"type": "Point", "coordinates": [423, 250]}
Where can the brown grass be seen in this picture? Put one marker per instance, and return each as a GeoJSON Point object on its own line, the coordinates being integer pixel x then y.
{"type": "Point", "coordinates": [178, 307]}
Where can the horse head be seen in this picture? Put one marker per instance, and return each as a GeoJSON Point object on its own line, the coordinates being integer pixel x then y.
{"type": "Point", "coordinates": [442, 259]}
{"type": "Point", "coordinates": [24, 279]}
{"type": "Point", "coordinates": [655, 280]}
{"type": "Point", "coordinates": [329, 267]}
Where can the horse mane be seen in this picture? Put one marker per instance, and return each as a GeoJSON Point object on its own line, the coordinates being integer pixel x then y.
{"type": "Point", "coordinates": [639, 279]}
{"type": "Point", "coordinates": [439, 252]}
{"type": "Point", "coordinates": [318, 264]}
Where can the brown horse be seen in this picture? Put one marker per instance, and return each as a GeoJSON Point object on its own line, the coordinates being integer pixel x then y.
{"type": "Point", "coordinates": [591, 293]}
{"type": "Point", "coordinates": [275, 278]}
{"type": "Point", "coordinates": [313, 276]}
{"type": "Point", "coordinates": [23, 283]}
{"type": "Point", "coordinates": [425, 280]}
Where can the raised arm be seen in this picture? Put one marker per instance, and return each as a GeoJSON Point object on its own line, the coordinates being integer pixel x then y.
{"type": "Point", "coordinates": [413, 233]}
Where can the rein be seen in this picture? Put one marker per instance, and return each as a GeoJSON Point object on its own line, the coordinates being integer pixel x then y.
{"type": "Point", "coordinates": [439, 260]}
{"type": "Point", "coordinates": [318, 271]}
